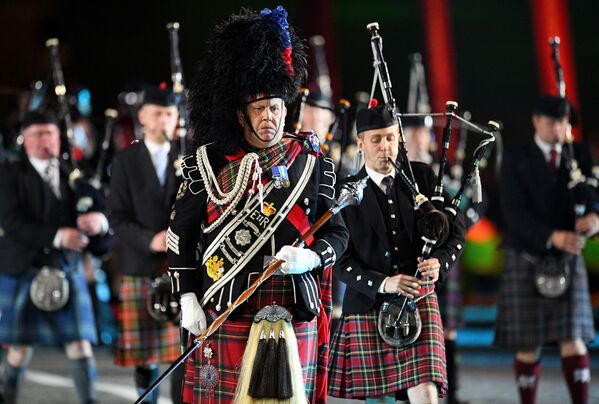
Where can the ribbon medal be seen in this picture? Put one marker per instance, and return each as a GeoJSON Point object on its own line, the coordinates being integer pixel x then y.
{"type": "Point", "coordinates": [280, 177]}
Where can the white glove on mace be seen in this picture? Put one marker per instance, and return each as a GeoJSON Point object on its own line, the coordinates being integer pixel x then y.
{"type": "Point", "coordinates": [193, 318]}
{"type": "Point", "coordinates": [297, 260]}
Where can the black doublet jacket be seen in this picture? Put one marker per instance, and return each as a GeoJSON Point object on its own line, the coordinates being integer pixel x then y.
{"type": "Point", "coordinates": [30, 216]}
{"type": "Point", "coordinates": [187, 242]}
{"type": "Point", "coordinates": [139, 207]}
{"type": "Point", "coordinates": [374, 252]}
{"type": "Point", "coordinates": [535, 201]}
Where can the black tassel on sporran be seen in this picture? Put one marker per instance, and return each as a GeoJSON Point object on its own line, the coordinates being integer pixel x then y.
{"type": "Point", "coordinates": [285, 388]}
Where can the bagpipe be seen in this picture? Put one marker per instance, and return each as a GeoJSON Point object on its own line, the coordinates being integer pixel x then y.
{"type": "Point", "coordinates": [582, 188]}
{"type": "Point", "coordinates": [399, 322]}
{"type": "Point", "coordinates": [451, 175]}
{"type": "Point", "coordinates": [417, 91]}
{"type": "Point", "coordinates": [350, 194]}
{"type": "Point", "coordinates": [297, 124]}
{"type": "Point", "coordinates": [160, 303]}
{"type": "Point", "coordinates": [337, 138]}
{"type": "Point", "coordinates": [318, 94]}
{"type": "Point", "coordinates": [110, 116]}
{"type": "Point", "coordinates": [179, 91]}
{"type": "Point", "coordinates": [88, 198]}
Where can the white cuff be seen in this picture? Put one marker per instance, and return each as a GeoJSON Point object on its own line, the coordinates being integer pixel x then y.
{"type": "Point", "coordinates": [56, 241]}
{"type": "Point", "coordinates": [188, 294]}
{"type": "Point", "coordinates": [105, 224]}
{"type": "Point", "coordinates": [382, 287]}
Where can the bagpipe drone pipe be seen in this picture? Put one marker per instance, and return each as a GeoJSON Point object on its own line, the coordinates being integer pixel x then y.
{"type": "Point", "coordinates": [179, 92]}
{"type": "Point", "coordinates": [87, 191]}
{"type": "Point", "coordinates": [582, 186]}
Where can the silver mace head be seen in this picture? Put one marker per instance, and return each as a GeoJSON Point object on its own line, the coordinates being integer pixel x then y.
{"type": "Point", "coordinates": [350, 194]}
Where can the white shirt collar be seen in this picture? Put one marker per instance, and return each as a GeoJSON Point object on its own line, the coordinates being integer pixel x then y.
{"type": "Point", "coordinates": [155, 147]}
{"type": "Point", "coordinates": [52, 176]}
{"type": "Point", "coordinates": [377, 177]}
{"type": "Point", "coordinates": [41, 165]}
{"type": "Point", "coordinates": [547, 147]}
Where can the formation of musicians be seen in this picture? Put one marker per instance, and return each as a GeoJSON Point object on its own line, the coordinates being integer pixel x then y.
{"type": "Point", "coordinates": [266, 243]}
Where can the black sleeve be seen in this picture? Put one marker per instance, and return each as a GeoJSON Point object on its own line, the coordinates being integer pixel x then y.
{"type": "Point", "coordinates": [590, 169]}
{"type": "Point", "coordinates": [13, 218]}
{"type": "Point", "coordinates": [331, 240]}
{"type": "Point", "coordinates": [449, 252]}
{"type": "Point", "coordinates": [355, 273]}
{"type": "Point", "coordinates": [121, 212]}
{"type": "Point", "coordinates": [518, 217]}
{"type": "Point", "coordinates": [185, 232]}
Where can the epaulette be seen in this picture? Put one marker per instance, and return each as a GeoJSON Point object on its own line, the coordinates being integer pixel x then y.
{"type": "Point", "coordinates": [191, 173]}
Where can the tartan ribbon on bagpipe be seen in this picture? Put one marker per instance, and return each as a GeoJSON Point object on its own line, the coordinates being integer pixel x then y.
{"type": "Point", "coordinates": [282, 153]}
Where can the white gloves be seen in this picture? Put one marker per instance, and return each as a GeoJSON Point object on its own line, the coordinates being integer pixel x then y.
{"type": "Point", "coordinates": [297, 260]}
{"type": "Point", "coordinates": [193, 318]}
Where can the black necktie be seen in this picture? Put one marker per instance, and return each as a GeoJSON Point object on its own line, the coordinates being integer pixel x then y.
{"type": "Point", "coordinates": [388, 184]}
{"type": "Point", "coordinates": [553, 159]}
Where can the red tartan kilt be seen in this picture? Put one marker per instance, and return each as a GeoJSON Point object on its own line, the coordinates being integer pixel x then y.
{"type": "Point", "coordinates": [363, 365]}
{"type": "Point", "coordinates": [142, 340]}
{"type": "Point", "coordinates": [228, 346]}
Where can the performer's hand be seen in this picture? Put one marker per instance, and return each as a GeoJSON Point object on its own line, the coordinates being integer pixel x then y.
{"type": "Point", "coordinates": [403, 284]}
{"type": "Point", "coordinates": [430, 268]}
{"type": "Point", "coordinates": [90, 223]}
{"type": "Point", "coordinates": [193, 318]}
{"type": "Point", "coordinates": [73, 239]}
{"type": "Point", "coordinates": [297, 260]}
{"type": "Point", "coordinates": [588, 224]}
{"type": "Point", "coordinates": [567, 241]}
{"type": "Point", "coordinates": [158, 243]}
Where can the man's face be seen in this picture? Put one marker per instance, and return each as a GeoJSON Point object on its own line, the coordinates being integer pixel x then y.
{"type": "Point", "coordinates": [158, 121]}
{"type": "Point", "coordinates": [42, 141]}
{"type": "Point", "coordinates": [378, 146]}
{"type": "Point", "coordinates": [418, 142]}
{"type": "Point", "coordinates": [317, 119]}
{"type": "Point", "coordinates": [267, 118]}
{"type": "Point", "coordinates": [550, 130]}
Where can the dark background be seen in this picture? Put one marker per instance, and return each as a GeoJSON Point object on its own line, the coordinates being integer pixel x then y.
{"type": "Point", "coordinates": [111, 45]}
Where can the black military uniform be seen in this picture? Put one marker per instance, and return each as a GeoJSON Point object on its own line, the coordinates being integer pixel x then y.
{"type": "Point", "coordinates": [32, 211]}
{"type": "Point", "coordinates": [536, 201]}
{"type": "Point", "coordinates": [384, 242]}
{"type": "Point", "coordinates": [229, 219]}
{"type": "Point", "coordinates": [139, 206]}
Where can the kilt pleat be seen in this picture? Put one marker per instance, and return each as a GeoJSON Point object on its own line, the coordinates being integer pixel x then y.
{"type": "Point", "coordinates": [363, 365]}
{"type": "Point", "coordinates": [450, 300]}
{"type": "Point", "coordinates": [227, 346]}
{"type": "Point", "coordinates": [142, 340]}
{"type": "Point", "coordinates": [23, 323]}
{"type": "Point", "coordinates": [525, 319]}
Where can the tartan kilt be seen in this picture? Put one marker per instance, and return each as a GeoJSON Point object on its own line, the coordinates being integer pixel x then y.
{"type": "Point", "coordinates": [525, 319]}
{"type": "Point", "coordinates": [142, 340]}
{"type": "Point", "coordinates": [450, 300]}
{"type": "Point", "coordinates": [363, 365]}
{"type": "Point", "coordinates": [21, 323]}
{"type": "Point", "coordinates": [228, 346]}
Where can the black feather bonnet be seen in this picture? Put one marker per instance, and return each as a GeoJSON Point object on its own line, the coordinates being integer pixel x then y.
{"type": "Point", "coordinates": [250, 56]}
